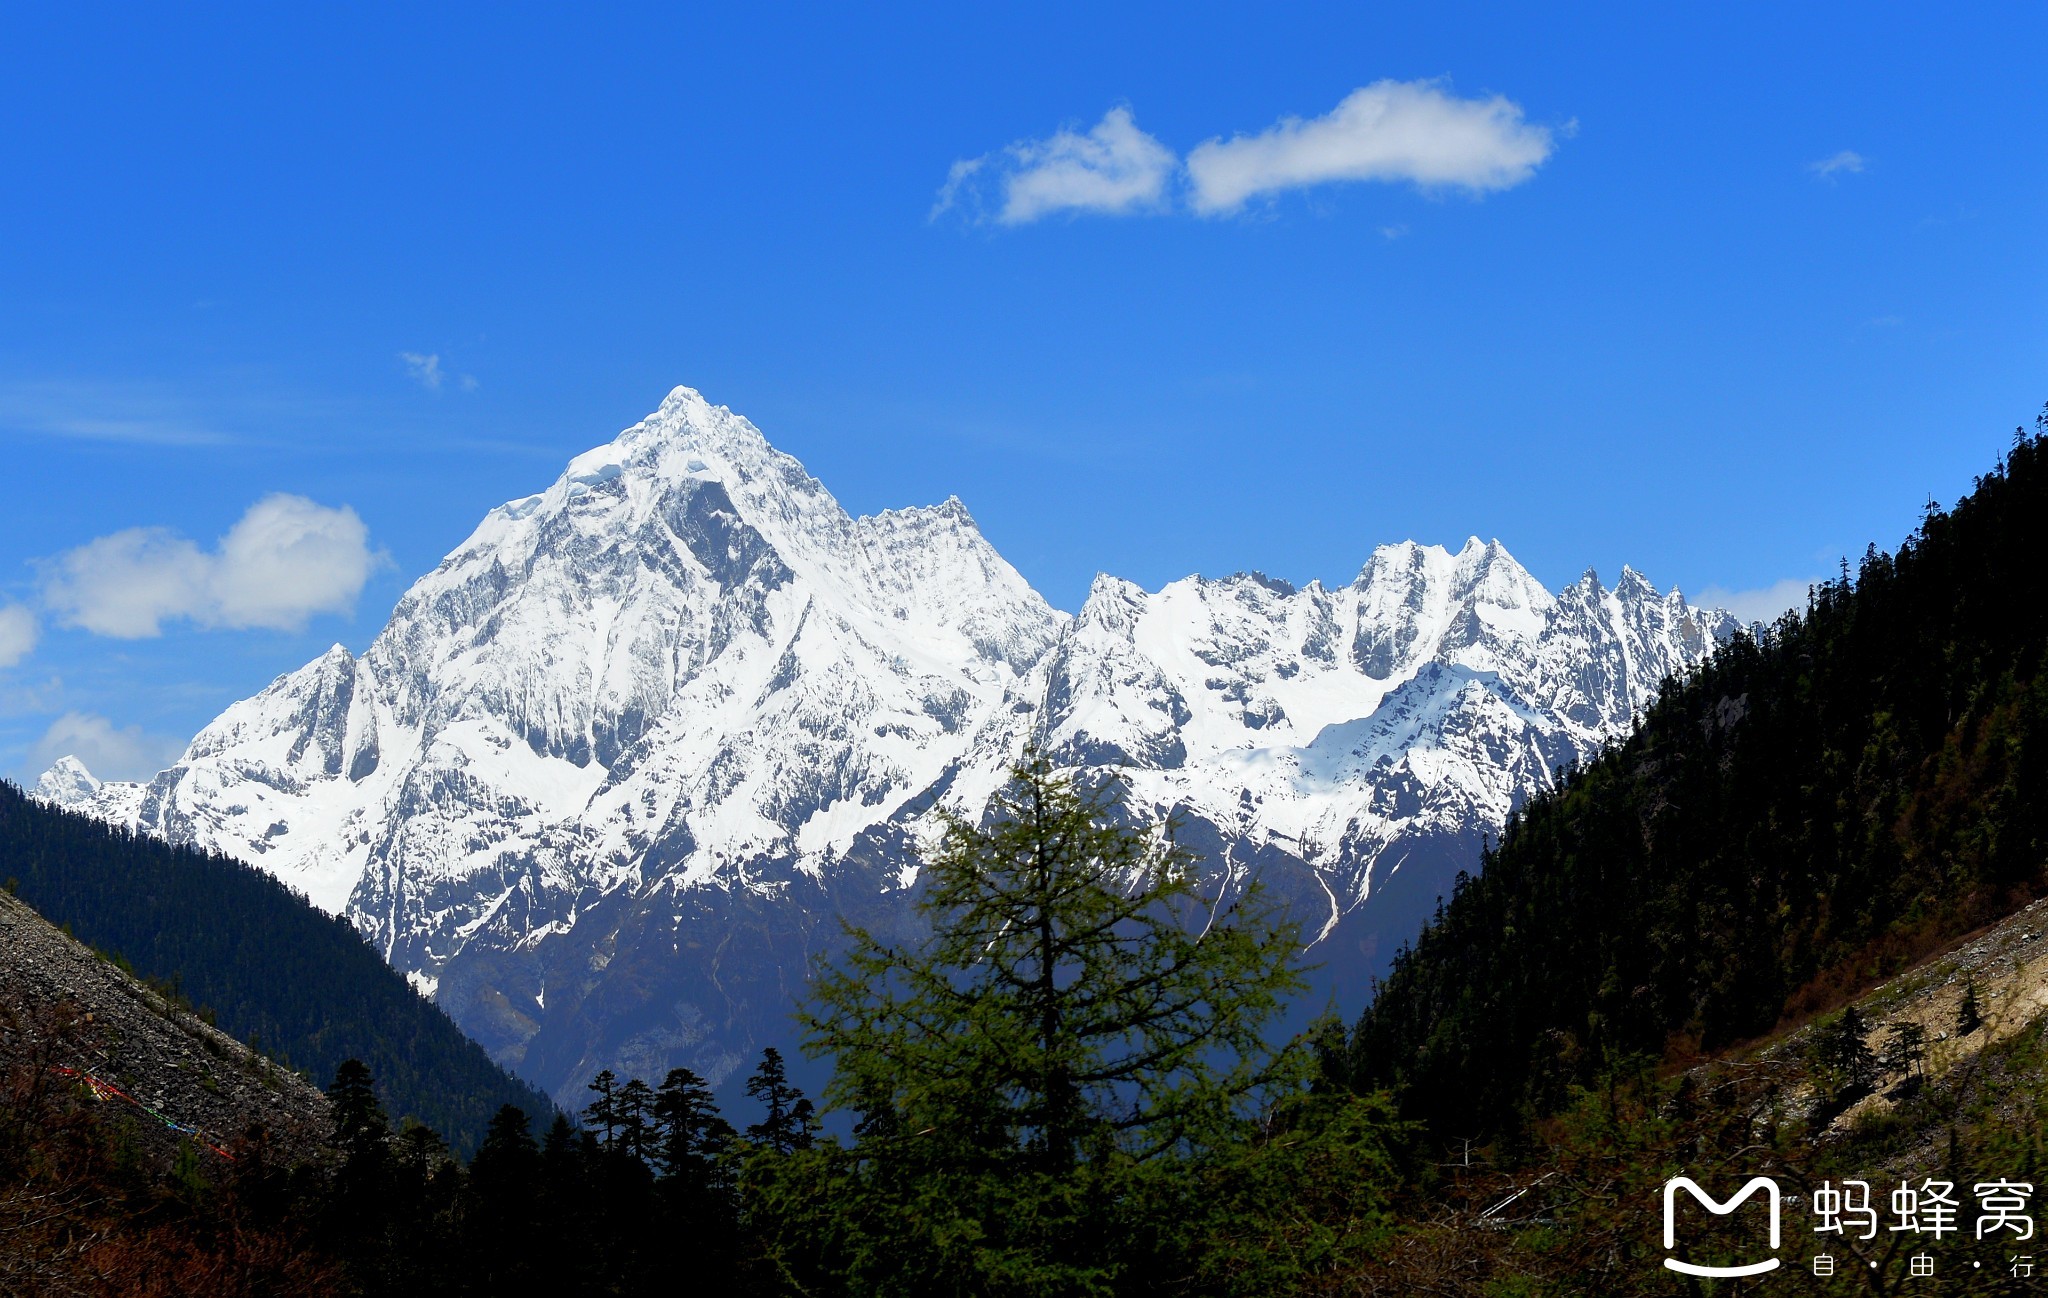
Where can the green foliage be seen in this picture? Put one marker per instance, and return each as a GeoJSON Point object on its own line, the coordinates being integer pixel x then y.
{"type": "Point", "coordinates": [1905, 1048]}
{"type": "Point", "coordinates": [1810, 811]}
{"type": "Point", "coordinates": [1076, 996]}
{"type": "Point", "coordinates": [1064, 1088]}
{"type": "Point", "coordinates": [1304, 1198]}
{"type": "Point", "coordinates": [1846, 1062]}
{"type": "Point", "coordinates": [215, 933]}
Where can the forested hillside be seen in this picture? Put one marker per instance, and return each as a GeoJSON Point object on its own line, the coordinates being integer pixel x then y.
{"type": "Point", "coordinates": [1808, 813]}
{"type": "Point", "coordinates": [264, 965]}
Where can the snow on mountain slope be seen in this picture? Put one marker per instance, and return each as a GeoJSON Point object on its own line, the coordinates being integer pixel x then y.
{"type": "Point", "coordinates": [67, 783]}
{"type": "Point", "coordinates": [1336, 736]}
{"type": "Point", "coordinates": [614, 770]}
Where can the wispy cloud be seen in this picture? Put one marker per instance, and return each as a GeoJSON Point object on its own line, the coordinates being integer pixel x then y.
{"type": "Point", "coordinates": [110, 752]}
{"type": "Point", "coordinates": [1415, 132]}
{"type": "Point", "coordinates": [424, 368]}
{"type": "Point", "coordinates": [1113, 169]}
{"type": "Point", "coordinates": [30, 698]}
{"type": "Point", "coordinates": [959, 177]}
{"type": "Point", "coordinates": [140, 432]}
{"type": "Point", "coordinates": [1762, 604]}
{"type": "Point", "coordinates": [1847, 162]}
{"type": "Point", "coordinates": [286, 560]}
{"type": "Point", "coordinates": [103, 413]}
{"type": "Point", "coordinates": [18, 634]}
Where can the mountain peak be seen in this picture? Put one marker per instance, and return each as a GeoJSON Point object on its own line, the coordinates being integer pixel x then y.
{"type": "Point", "coordinates": [683, 666]}
{"type": "Point", "coordinates": [1401, 557]}
{"type": "Point", "coordinates": [67, 782]}
{"type": "Point", "coordinates": [685, 421]}
{"type": "Point", "coordinates": [1635, 583]}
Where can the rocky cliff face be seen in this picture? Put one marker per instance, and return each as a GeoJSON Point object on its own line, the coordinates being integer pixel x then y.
{"type": "Point", "coordinates": [616, 769]}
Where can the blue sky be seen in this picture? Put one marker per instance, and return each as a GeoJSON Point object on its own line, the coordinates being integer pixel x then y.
{"type": "Point", "coordinates": [1721, 292]}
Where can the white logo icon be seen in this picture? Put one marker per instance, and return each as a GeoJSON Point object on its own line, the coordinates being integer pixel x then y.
{"type": "Point", "coordinates": [1719, 1209]}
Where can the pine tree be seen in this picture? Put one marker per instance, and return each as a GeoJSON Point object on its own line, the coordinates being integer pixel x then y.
{"type": "Point", "coordinates": [421, 1151]}
{"type": "Point", "coordinates": [560, 1142]}
{"type": "Point", "coordinates": [791, 1121]}
{"type": "Point", "coordinates": [1905, 1048]}
{"type": "Point", "coordinates": [508, 1155]}
{"type": "Point", "coordinates": [360, 1210]}
{"type": "Point", "coordinates": [1079, 1014]}
{"type": "Point", "coordinates": [695, 1192]}
{"type": "Point", "coordinates": [1969, 1013]}
{"type": "Point", "coordinates": [602, 1113]}
{"type": "Point", "coordinates": [503, 1204]}
{"type": "Point", "coordinates": [360, 1126]}
{"type": "Point", "coordinates": [1847, 1056]}
{"type": "Point", "coordinates": [1074, 976]}
{"type": "Point", "coordinates": [570, 1208]}
{"type": "Point", "coordinates": [636, 1120]}
{"type": "Point", "coordinates": [689, 1133]}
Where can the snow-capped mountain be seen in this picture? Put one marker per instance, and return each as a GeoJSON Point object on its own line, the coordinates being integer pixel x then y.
{"type": "Point", "coordinates": [615, 770]}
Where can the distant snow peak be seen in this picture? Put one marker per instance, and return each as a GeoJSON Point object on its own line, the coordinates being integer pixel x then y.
{"type": "Point", "coordinates": [67, 783]}
{"type": "Point", "coordinates": [645, 736]}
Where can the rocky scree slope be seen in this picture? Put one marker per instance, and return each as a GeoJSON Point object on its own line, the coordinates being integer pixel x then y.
{"type": "Point", "coordinates": [613, 773]}
{"type": "Point", "coordinates": [63, 1007]}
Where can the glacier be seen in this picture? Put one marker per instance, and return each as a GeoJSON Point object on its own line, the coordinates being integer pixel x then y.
{"type": "Point", "coordinates": [616, 771]}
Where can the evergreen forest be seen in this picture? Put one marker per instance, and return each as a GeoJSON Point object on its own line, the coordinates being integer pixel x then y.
{"type": "Point", "coordinates": [1815, 809]}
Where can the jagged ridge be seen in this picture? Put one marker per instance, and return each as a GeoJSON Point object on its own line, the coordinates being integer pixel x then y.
{"type": "Point", "coordinates": [613, 770]}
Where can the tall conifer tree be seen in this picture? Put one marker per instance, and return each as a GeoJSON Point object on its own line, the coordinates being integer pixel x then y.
{"type": "Point", "coordinates": [1079, 1016]}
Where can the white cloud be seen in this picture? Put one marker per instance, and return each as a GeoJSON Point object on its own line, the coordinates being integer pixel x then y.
{"type": "Point", "coordinates": [1760, 605]}
{"type": "Point", "coordinates": [1398, 131]}
{"type": "Point", "coordinates": [111, 753]}
{"type": "Point", "coordinates": [1412, 131]}
{"type": "Point", "coordinates": [425, 369]}
{"type": "Point", "coordinates": [1115, 169]}
{"type": "Point", "coordinates": [1828, 168]}
{"type": "Point", "coordinates": [126, 584]}
{"type": "Point", "coordinates": [286, 560]}
{"type": "Point", "coordinates": [18, 632]}
{"type": "Point", "coordinates": [957, 177]}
